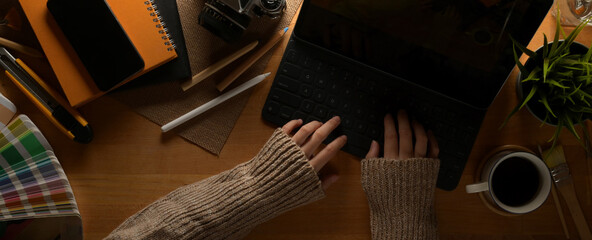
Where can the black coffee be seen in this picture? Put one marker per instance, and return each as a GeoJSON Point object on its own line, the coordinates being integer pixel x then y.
{"type": "Point", "coordinates": [515, 181]}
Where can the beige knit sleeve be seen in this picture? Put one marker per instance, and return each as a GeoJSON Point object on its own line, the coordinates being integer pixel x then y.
{"type": "Point", "coordinates": [229, 205]}
{"type": "Point", "coordinates": [401, 197]}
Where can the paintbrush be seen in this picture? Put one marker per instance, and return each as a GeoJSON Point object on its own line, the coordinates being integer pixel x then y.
{"type": "Point", "coordinates": [555, 160]}
{"type": "Point", "coordinates": [557, 203]}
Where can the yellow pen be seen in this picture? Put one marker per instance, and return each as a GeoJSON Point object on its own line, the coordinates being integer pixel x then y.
{"type": "Point", "coordinates": [53, 106]}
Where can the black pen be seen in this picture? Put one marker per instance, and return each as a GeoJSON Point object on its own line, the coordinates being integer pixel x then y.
{"type": "Point", "coordinates": [53, 106]}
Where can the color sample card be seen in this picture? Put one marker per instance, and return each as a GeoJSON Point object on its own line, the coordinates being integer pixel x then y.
{"type": "Point", "coordinates": [34, 190]}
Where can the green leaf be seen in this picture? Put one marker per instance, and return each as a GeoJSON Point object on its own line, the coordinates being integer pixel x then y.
{"type": "Point", "coordinates": [572, 36]}
{"type": "Point", "coordinates": [557, 31]}
{"type": "Point", "coordinates": [532, 76]}
{"type": "Point", "coordinates": [522, 48]}
{"type": "Point", "coordinates": [517, 60]}
{"type": "Point", "coordinates": [584, 93]}
{"type": "Point", "coordinates": [533, 90]}
{"type": "Point", "coordinates": [570, 99]}
{"type": "Point", "coordinates": [556, 135]}
{"type": "Point", "coordinates": [575, 90]}
{"type": "Point", "coordinates": [581, 109]}
{"type": "Point", "coordinates": [545, 69]}
{"type": "Point", "coordinates": [588, 54]}
{"type": "Point", "coordinates": [544, 101]}
{"type": "Point", "coordinates": [520, 105]}
{"type": "Point", "coordinates": [570, 126]}
{"type": "Point", "coordinates": [555, 83]}
{"type": "Point", "coordinates": [545, 46]}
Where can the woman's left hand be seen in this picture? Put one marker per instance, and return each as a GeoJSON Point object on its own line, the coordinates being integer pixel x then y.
{"type": "Point", "coordinates": [310, 136]}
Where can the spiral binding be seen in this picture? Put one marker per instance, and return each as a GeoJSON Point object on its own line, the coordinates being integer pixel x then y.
{"type": "Point", "coordinates": [160, 24]}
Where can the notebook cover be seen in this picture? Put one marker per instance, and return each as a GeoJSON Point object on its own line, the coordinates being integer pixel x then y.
{"type": "Point", "coordinates": [76, 83]}
{"type": "Point", "coordinates": [179, 67]}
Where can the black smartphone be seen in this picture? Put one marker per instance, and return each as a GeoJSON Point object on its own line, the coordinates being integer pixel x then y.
{"type": "Point", "coordinates": [99, 40]}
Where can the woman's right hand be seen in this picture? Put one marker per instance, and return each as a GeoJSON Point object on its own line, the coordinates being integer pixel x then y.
{"type": "Point", "coordinates": [399, 145]}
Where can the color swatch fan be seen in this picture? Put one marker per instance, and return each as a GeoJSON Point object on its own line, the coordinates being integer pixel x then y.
{"type": "Point", "coordinates": [36, 200]}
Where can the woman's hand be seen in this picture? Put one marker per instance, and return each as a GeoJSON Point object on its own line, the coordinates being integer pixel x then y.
{"type": "Point", "coordinates": [310, 137]}
{"type": "Point", "coordinates": [399, 146]}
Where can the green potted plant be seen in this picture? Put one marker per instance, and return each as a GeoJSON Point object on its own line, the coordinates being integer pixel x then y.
{"type": "Point", "coordinates": [556, 81]}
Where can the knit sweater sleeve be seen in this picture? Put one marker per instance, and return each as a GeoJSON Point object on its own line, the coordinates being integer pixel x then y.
{"type": "Point", "coordinates": [401, 197]}
{"type": "Point", "coordinates": [229, 205]}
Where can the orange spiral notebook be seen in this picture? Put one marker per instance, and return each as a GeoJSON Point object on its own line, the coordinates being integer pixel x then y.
{"type": "Point", "coordinates": [138, 18]}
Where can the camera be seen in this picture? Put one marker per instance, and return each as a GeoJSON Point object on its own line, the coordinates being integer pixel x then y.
{"type": "Point", "coordinates": [228, 19]}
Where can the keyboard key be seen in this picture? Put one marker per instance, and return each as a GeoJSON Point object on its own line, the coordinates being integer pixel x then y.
{"type": "Point", "coordinates": [306, 91]}
{"type": "Point", "coordinates": [287, 83]}
{"type": "Point", "coordinates": [348, 78]}
{"type": "Point", "coordinates": [333, 113]}
{"type": "Point", "coordinates": [451, 115]}
{"type": "Point", "coordinates": [308, 106]}
{"type": "Point", "coordinates": [373, 118]}
{"type": "Point", "coordinates": [373, 101]}
{"type": "Point", "coordinates": [372, 88]}
{"type": "Point", "coordinates": [285, 97]}
{"type": "Point", "coordinates": [347, 122]}
{"type": "Point", "coordinates": [310, 62]}
{"type": "Point", "coordinates": [318, 66]}
{"type": "Point", "coordinates": [321, 112]}
{"type": "Point", "coordinates": [272, 107]}
{"type": "Point", "coordinates": [320, 82]}
{"type": "Point", "coordinates": [307, 76]}
{"type": "Point", "coordinates": [292, 56]}
{"type": "Point", "coordinates": [286, 112]}
{"type": "Point", "coordinates": [359, 82]}
{"type": "Point", "coordinates": [319, 96]}
{"type": "Point", "coordinates": [360, 112]}
{"type": "Point", "coordinates": [291, 70]}
{"type": "Point", "coordinates": [334, 87]}
{"type": "Point", "coordinates": [360, 127]}
{"type": "Point", "coordinates": [346, 107]}
{"type": "Point", "coordinates": [348, 93]}
{"type": "Point", "coordinates": [332, 101]}
{"type": "Point", "coordinates": [333, 73]}
{"type": "Point", "coordinates": [300, 115]}
{"type": "Point", "coordinates": [363, 99]}
{"type": "Point", "coordinates": [375, 132]}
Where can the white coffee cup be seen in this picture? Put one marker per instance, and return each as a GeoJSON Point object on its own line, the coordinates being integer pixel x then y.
{"type": "Point", "coordinates": [514, 181]}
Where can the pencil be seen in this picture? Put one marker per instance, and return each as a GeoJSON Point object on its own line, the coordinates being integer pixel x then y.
{"type": "Point", "coordinates": [217, 66]}
{"type": "Point", "coordinates": [251, 60]}
{"type": "Point", "coordinates": [214, 102]}
{"type": "Point", "coordinates": [21, 48]}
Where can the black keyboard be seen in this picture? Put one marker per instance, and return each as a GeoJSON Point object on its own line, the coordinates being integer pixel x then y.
{"type": "Point", "coordinates": [323, 86]}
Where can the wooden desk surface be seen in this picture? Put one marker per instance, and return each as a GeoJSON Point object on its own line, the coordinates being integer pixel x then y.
{"type": "Point", "coordinates": [130, 164]}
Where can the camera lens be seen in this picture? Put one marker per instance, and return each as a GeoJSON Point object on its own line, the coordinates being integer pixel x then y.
{"type": "Point", "coordinates": [271, 5]}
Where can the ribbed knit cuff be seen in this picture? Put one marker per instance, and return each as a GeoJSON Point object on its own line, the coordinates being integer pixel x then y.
{"type": "Point", "coordinates": [401, 197]}
{"type": "Point", "coordinates": [229, 205]}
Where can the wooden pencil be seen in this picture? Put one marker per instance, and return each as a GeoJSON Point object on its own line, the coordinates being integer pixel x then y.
{"type": "Point", "coordinates": [21, 48]}
{"type": "Point", "coordinates": [251, 60]}
{"type": "Point", "coordinates": [217, 66]}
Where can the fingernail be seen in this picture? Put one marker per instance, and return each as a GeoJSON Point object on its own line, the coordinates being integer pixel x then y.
{"type": "Point", "coordinates": [337, 118]}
